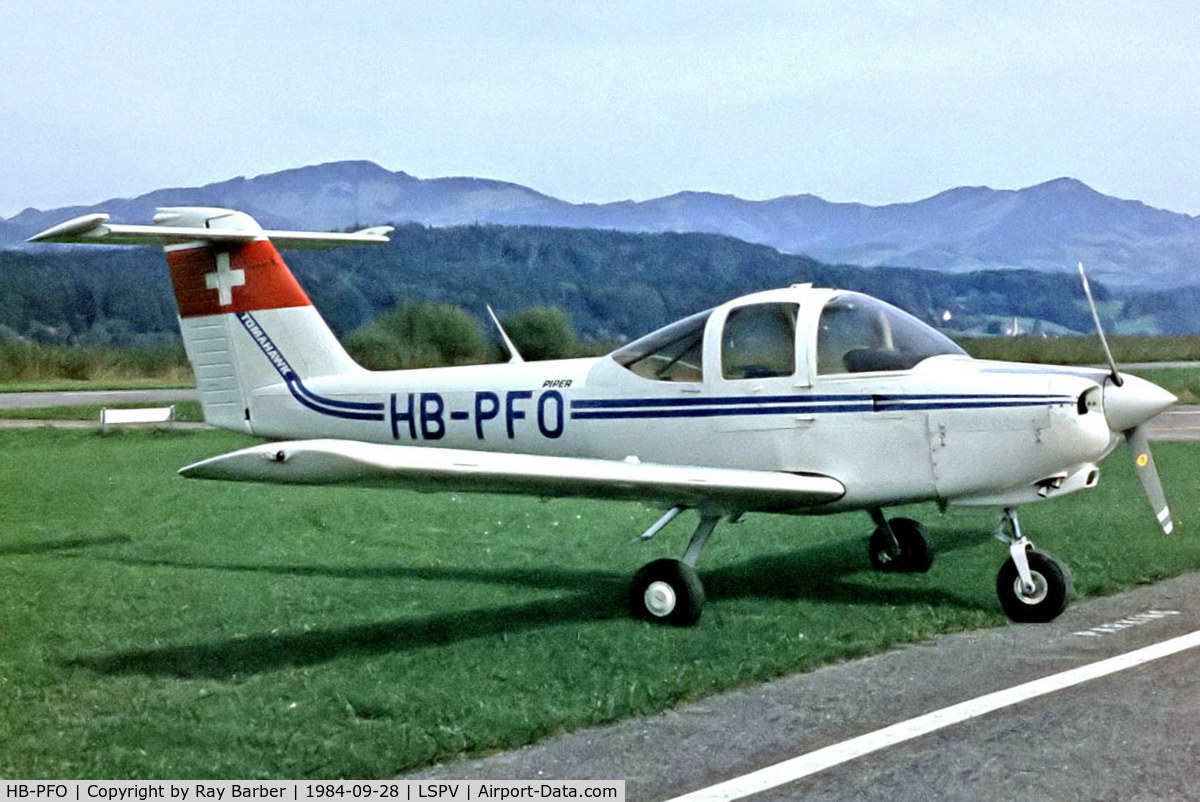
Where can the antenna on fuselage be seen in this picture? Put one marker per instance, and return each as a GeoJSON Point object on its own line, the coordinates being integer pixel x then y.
{"type": "Point", "coordinates": [513, 355]}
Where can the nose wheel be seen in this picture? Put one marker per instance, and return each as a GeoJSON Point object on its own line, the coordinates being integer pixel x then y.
{"type": "Point", "coordinates": [1033, 586]}
{"type": "Point", "coordinates": [1046, 595]}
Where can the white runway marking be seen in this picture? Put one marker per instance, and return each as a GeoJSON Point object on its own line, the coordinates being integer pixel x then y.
{"type": "Point", "coordinates": [813, 762]}
{"type": "Point", "coordinates": [1127, 622]}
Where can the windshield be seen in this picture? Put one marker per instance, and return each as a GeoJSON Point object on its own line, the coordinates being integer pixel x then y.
{"type": "Point", "coordinates": [859, 334]}
{"type": "Point", "coordinates": [674, 353]}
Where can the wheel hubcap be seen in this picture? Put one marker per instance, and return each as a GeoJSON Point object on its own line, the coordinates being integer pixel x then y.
{"type": "Point", "coordinates": [659, 599]}
{"type": "Point", "coordinates": [1040, 589]}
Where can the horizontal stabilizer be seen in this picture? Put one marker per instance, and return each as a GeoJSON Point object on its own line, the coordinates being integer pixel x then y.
{"type": "Point", "coordinates": [95, 229]}
{"type": "Point", "coordinates": [438, 469]}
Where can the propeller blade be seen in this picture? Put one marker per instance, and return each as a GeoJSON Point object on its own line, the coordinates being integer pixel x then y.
{"type": "Point", "coordinates": [1143, 462]}
{"type": "Point", "coordinates": [1112, 363]}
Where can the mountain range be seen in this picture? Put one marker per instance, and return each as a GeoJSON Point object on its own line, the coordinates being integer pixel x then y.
{"type": "Point", "coordinates": [1048, 227]}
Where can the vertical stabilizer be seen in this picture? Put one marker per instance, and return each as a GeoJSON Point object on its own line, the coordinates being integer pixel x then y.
{"type": "Point", "coordinates": [246, 322]}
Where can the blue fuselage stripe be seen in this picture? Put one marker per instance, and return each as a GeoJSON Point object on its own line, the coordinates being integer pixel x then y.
{"type": "Point", "coordinates": [647, 408]}
{"type": "Point", "coordinates": [611, 403]}
{"type": "Point", "coordinates": [787, 409]}
{"type": "Point", "coordinates": [349, 410]}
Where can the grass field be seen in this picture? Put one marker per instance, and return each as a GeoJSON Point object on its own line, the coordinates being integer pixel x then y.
{"type": "Point", "coordinates": [24, 362]}
{"type": "Point", "coordinates": [152, 626]}
{"type": "Point", "coordinates": [1084, 350]}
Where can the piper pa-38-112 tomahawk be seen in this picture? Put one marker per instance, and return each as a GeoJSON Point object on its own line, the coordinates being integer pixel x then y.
{"type": "Point", "coordinates": [800, 401]}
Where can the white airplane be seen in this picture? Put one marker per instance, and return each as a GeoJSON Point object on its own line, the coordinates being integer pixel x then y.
{"type": "Point", "coordinates": [802, 401]}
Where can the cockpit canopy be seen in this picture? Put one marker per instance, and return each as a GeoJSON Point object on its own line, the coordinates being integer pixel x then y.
{"type": "Point", "coordinates": [859, 334]}
{"type": "Point", "coordinates": [854, 334]}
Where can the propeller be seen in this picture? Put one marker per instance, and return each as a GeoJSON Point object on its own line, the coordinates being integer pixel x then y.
{"type": "Point", "coordinates": [1112, 363]}
{"type": "Point", "coordinates": [1143, 461]}
{"type": "Point", "coordinates": [1129, 402]}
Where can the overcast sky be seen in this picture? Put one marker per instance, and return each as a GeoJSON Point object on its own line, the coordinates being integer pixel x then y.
{"type": "Point", "coordinates": [876, 102]}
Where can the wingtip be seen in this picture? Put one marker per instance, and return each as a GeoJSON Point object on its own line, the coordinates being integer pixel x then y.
{"type": "Point", "coordinates": [72, 229]}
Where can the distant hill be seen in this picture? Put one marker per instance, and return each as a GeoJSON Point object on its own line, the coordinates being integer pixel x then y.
{"type": "Point", "coordinates": [1047, 228]}
{"type": "Point", "coordinates": [330, 196]}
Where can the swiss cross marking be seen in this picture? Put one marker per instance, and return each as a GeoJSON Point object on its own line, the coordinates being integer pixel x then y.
{"type": "Point", "coordinates": [224, 280]}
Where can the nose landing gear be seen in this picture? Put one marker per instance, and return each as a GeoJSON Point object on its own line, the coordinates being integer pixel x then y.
{"type": "Point", "coordinates": [1033, 586]}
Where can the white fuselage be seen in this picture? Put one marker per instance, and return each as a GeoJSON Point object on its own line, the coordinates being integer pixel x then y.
{"type": "Point", "coordinates": [951, 428]}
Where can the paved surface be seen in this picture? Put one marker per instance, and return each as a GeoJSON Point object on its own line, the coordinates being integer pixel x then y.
{"type": "Point", "coordinates": [1154, 365]}
{"type": "Point", "coordinates": [1131, 736]}
{"type": "Point", "coordinates": [96, 397]}
{"type": "Point", "coordinates": [1177, 423]}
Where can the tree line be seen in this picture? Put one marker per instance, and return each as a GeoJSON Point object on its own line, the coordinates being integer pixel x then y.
{"type": "Point", "coordinates": [611, 286]}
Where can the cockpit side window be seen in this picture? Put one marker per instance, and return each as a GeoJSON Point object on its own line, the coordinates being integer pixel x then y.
{"type": "Point", "coordinates": [858, 334]}
{"type": "Point", "coordinates": [673, 354]}
{"type": "Point", "coordinates": [759, 341]}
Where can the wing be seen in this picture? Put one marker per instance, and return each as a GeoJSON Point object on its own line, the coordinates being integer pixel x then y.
{"type": "Point", "coordinates": [443, 469]}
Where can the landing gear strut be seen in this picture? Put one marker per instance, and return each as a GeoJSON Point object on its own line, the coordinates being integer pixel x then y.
{"type": "Point", "coordinates": [669, 591]}
{"type": "Point", "coordinates": [1033, 586]}
{"type": "Point", "coordinates": [898, 545]}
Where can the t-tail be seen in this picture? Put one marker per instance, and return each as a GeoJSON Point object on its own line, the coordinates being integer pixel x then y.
{"type": "Point", "coordinates": [246, 322]}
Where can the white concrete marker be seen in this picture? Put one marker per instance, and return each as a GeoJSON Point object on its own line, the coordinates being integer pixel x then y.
{"type": "Point", "coordinates": [813, 762]}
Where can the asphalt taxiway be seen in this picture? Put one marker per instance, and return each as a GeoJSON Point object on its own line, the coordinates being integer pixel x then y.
{"type": "Point", "coordinates": [1180, 423]}
{"type": "Point", "coordinates": [70, 398]}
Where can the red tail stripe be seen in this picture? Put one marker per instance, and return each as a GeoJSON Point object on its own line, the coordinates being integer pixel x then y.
{"type": "Point", "coordinates": [265, 282]}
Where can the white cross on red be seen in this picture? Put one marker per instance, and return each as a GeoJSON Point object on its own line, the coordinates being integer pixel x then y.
{"type": "Point", "coordinates": [224, 280]}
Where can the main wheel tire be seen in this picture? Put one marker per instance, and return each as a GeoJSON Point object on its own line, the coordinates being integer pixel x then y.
{"type": "Point", "coordinates": [668, 592]}
{"type": "Point", "coordinates": [1052, 589]}
{"type": "Point", "coordinates": [915, 555]}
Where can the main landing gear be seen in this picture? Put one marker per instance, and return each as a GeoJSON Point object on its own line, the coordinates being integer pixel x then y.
{"type": "Point", "coordinates": [669, 591]}
{"type": "Point", "coordinates": [899, 545]}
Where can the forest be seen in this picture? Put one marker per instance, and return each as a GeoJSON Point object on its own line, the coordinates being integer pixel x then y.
{"type": "Point", "coordinates": [611, 285]}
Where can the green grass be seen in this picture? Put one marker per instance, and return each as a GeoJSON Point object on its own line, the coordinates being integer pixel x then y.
{"type": "Point", "coordinates": [28, 362]}
{"type": "Point", "coordinates": [1084, 350]}
{"type": "Point", "coordinates": [185, 411]}
{"type": "Point", "coordinates": [152, 626]}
